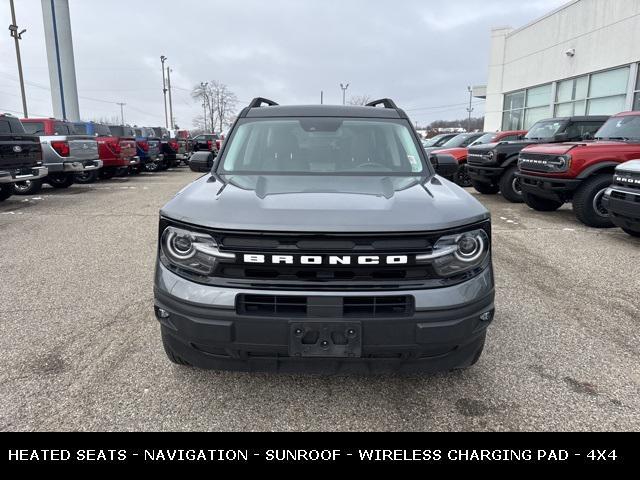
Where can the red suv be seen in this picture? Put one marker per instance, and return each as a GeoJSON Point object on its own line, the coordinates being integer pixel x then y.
{"type": "Point", "coordinates": [580, 172]}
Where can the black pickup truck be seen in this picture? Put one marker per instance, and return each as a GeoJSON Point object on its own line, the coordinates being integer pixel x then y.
{"type": "Point", "coordinates": [20, 156]}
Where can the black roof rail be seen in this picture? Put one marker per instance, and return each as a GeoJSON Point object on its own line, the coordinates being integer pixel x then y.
{"type": "Point", "coordinates": [258, 102]}
{"type": "Point", "coordinates": [387, 102]}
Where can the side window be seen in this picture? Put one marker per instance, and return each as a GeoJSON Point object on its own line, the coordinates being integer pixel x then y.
{"type": "Point", "coordinates": [5, 126]}
{"type": "Point", "coordinates": [34, 128]}
{"type": "Point", "coordinates": [580, 129]}
{"type": "Point", "coordinates": [510, 138]}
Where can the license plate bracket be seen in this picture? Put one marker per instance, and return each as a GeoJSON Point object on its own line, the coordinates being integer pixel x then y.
{"type": "Point", "coordinates": [325, 339]}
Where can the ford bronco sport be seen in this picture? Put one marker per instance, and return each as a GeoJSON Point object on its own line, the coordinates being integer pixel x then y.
{"type": "Point", "coordinates": [322, 240]}
{"type": "Point", "coordinates": [493, 167]}
{"type": "Point", "coordinates": [622, 200]}
{"type": "Point", "coordinates": [580, 172]}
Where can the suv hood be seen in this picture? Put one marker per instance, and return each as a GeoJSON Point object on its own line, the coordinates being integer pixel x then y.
{"type": "Point", "coordinates": [325, 204]}
{"type": "Point", "coordinates": [564, 148]}
{"type": "Point", "coordinates": [457, 153]}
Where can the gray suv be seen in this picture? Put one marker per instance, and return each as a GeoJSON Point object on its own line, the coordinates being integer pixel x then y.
{"type": "Point", "coordinates": [322, 240]}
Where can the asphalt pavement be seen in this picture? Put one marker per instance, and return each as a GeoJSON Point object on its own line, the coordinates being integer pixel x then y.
{"type": "Point", "coordinates": [81, 347]}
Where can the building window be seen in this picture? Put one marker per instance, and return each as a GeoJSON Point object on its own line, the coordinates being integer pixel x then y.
{"type": "Point", "coordinates": [636, 101]}
{"type": "Point", "coordinates": [524, 108]}
{"type": "Point", "coordinates": [601, 93]}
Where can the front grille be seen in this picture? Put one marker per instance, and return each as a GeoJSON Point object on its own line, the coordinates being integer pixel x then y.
{"type": "Point", "coordinates": [536, 162]}
{"type": "Point", "coordinates": [325, 307]}
{"type": "Point", "coordinates": [627, 180]}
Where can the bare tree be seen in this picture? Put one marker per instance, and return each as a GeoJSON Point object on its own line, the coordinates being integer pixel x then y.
{"type": "Point", "coordinates": [360, 100]}
{"type": "Point", "coordinates": [219, 102]}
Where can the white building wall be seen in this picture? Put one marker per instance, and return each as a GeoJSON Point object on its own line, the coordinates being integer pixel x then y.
{"type": "Point", "coordinates": [604, 34]}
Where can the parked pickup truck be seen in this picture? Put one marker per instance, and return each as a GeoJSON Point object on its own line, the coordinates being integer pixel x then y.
{"type": "Point", "coordinates": [493, 167]}
{"type": "Point", "coordinates": [100, 133]}
{"type": "Point", "coordinates": [20, 156]}
{"type": "Point", "coordinates": [207, 142]}
{"type": "Point", "coordinates": [460, 154]}
{"type": "Point", "coordinates": [323, 240]}
{"type": "Point", "coordinates": [123, 147]}
{"type": "Point", "coordinates": [580, 172]}
{"type": "Point", "coordinates": [149, 149]}
{"type": "Point", "coordinates": [64, 153]}
{"type": "Point", "coordinates": [622, 199]}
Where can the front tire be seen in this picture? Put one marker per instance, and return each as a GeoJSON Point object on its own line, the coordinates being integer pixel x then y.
{"type": "Point", "coordinates": [61, 181]}
{"type": "Point", "coordinates": [587, 202]}
{"type": "Point", "coordinates": [510, 186]}
{"type": "Point", "coordinates": [485, 188]}
{"type": "Point", "coordinates": [462, 177]}
{"type": "Point", "coordinates": [171, 355]}
{"type": "Point", "coordinates": [5, 192]}
{"type": "Point", "coordinates": [540, 204]}
{"type": "Point", "coordinates": [29, 187]}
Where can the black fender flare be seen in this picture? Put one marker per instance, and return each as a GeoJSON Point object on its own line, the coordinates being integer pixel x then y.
{"type": "Point", "coordinates": [597, 168]}
{"type": "Point", "coordinates": [508, 163]}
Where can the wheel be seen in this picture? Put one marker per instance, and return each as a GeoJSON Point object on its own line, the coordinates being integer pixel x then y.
{"type": "Point", "coordinates": [61, 181]}
{"type": "Point", "coordinates": [171, 355]}
{"type": "Point", "coordinates": [633, 233]}
{"type": "Point", "coordinates": [510, 186]}
{"type": "Point", "coordinates": [5, 192]}
{"type": "Point", "coordinates": [28, 187]}
{"type": "Point", "coordinates": [587, 202]}
{"type": "Point", "coordinates": [485, 188]}
{"type": "Point", "coordinates": [462, 177]}
{"type": "Point", "coordinates": [86, 178]}
{"type": "Point", "coordinates": [107, 173]}
{"type": "Point", "coordinates": [151, 167]}
{"type": "Point", "coordinates": [540, 204]}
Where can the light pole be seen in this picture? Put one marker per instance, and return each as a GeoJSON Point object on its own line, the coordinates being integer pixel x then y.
{"type": "Point", "coordinates": [170, 99]}
{"type": "Point", "coordinates": [204, 86]}
{"type": "Point", "coordinates": [470, 109]}
{"type": "Point", "coordinates": [164, 91]}
{"type": "Point", "coordinates": [17, 35]}
{"type": "Point", "coordinates": [122, 105]}
{"type": "Point", "coordinates": [344, 92]}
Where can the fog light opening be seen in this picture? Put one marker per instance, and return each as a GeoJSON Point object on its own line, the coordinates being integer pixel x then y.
{"type": "Point", "coordinates": [162, 313]}
{"type": "Point", "coordinates": [486, 317]}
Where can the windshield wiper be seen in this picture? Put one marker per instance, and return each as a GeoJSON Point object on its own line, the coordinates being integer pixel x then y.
{"type": "Point", "coordinates": [623, 139]}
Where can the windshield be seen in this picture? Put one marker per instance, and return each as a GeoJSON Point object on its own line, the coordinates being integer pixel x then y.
{"type": "Point", "coordinates": [621, 128]}
{"type": "Point", "coordinates": [461, 141]}
{"type": "Point", "coordinates": [62, 128]}
{"type": "Point", "coordinates": [323, 146]}
{"type": "Point", "coordinates": [436, 141]}
{"type": "Point", "coordinates": [484, 139]}
{"type": "Point", "coordinates": [546, 129]}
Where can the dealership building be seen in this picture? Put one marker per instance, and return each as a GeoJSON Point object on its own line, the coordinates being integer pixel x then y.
{"type": "Point", "coordinates": [581, 59]}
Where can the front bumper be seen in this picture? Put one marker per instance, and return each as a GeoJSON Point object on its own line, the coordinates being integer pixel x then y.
{"type": "Point", "coordinates": [205, 329]}
{"type": "Point", "coordinates": [484, 174]}
{"type": "Point", "coordinates": [23, 174]}
{"type": "Point", "coordinates": [559, 189]}
{"type": "Point", "coordinates": [134, 162]}
{"type": "Point", "coordinates": [623, 205]}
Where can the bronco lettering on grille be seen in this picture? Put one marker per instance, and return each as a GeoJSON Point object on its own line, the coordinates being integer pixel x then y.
{"type": "Point", "coordinates": [326, 260]}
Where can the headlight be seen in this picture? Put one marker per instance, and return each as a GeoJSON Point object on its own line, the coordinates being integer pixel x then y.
{"type": "Point", "coordinates": [490, 155]}
{"type": "Point", "coordinates": [457, 254]}
{"type": "Point", "coordinates": [561, 163]}
{"type": "Point", "coordinates": [191, 251]}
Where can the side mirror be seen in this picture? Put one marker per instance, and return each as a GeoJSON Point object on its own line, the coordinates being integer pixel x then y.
{"type": "Point", "coordinates": [201, 162]}
{"type": "Point", "coordinates": [561, 137]}
{"type": "Point", "coordinates": [445, 165]}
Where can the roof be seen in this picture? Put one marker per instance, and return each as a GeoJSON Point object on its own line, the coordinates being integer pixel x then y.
{"type": "Point", "coordinates": [581, 118]}
{"type": "Point", "coordinates": [323, 111]}
{"type": "Point", "coordinates": [628, 114]}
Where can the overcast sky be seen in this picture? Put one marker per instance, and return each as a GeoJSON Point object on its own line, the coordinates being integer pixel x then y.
{"type": "Point", "coordinates": [422, 53]}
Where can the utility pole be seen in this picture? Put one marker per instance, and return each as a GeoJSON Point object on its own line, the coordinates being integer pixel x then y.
{"type": "Point", "coordinates": [122, 105]}
{"type": "Point", "coordinates": [164, 91]}
{"type": "Point", "coordinates": [470, 109]}
{"type": "Point", "coordinates": [17, 35]}
{"type": "Point", "coordinates": [170, 99]}
{"type": "Point", "coordinates": [344, 92]}
{"type": "Point", "coordinates": [204, 86]}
